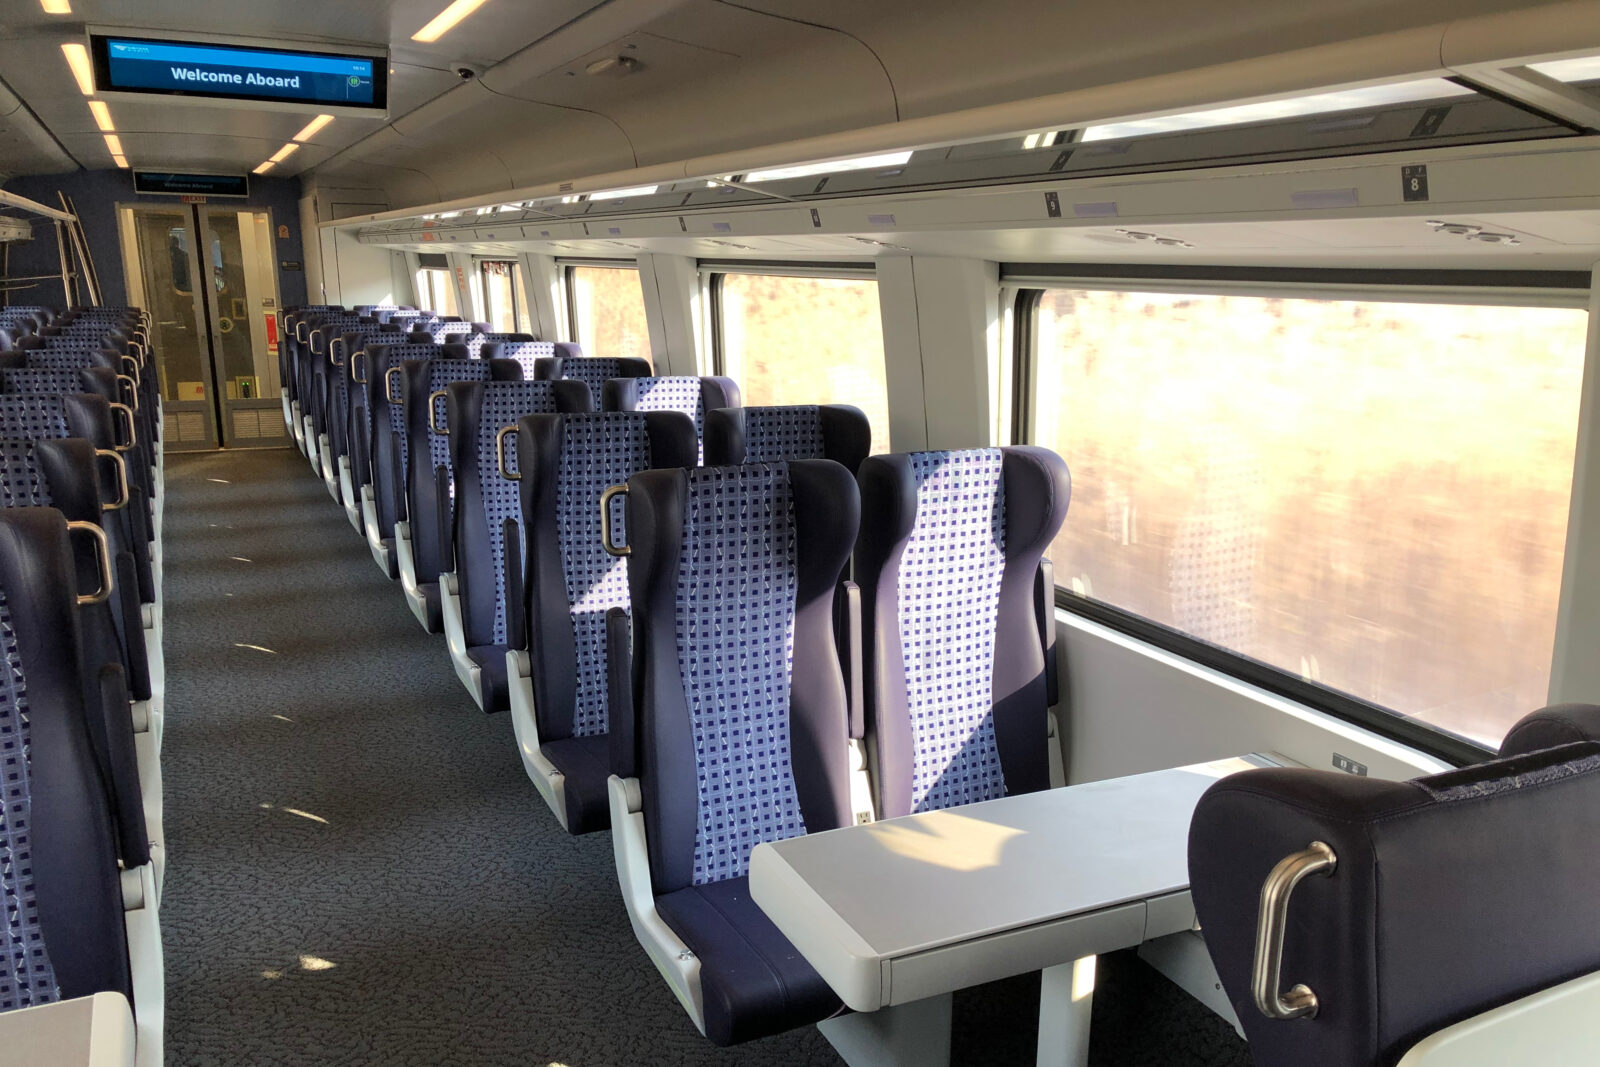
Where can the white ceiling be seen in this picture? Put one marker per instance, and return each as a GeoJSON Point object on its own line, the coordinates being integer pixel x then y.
{"type": "Point", "coordinates": [199, 137]}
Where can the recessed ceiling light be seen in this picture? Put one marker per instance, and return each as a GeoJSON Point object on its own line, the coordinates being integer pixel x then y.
{"type": "Point", "coordinates": [313, 127]}
{"type": "Point", "coordinates": [56, 7]}
{"type": "Point", "coordinates": [446, 20]}
{"type": "Point", "coordinates": [268, 165]}
{"type": "Point", "coordinates": [121, 161]}
{"type": "Point", "coordinates": [78, 60]}
{"type": "Point", "coordinates": [888, 159]}
{"type": "Point", "coordinates": [618, 194]}
{"type": "Point", "coordinates": [114, 143]}
{"type": "Point", "coordinates": [102, 115]}
{"type": "Point", "coordinates": [285, 152]}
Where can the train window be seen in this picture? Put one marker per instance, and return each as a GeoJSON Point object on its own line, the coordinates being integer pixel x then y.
{"type": "Point", "coordinates": [1369, 495]}
{"type": "Point", "coordinates": [436, 291]}
{"type": "Point", "coordinates": [804, 340]}
{"type": "Point", "coordinates": [606, 309]}
{"type": "Point", "coordinates": [505, 301]}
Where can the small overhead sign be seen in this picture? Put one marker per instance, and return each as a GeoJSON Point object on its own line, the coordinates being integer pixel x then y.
{"type": "Point", "coordinates": [194, 188]}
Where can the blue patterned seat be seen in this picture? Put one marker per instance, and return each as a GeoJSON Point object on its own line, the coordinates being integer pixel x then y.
{"type": "Point", "coordinates": [482, 601]}
{"type": "Point", "coordinates": [40, 417]}
{"type": "Point", "coordinates": [692, 396]}
{"type": "Point", "coordinates": [66, 932]}
{"type": "Point", "coordinates": [593, 371]}
{"type": "Point", "coordinates": [740, 731]}
{"type": "Point", "coordinates": [558, 669]}
{"type": "Point", "coordinates": [957, 693]}
{"type": "Point", "coordinates": [424, 544]}
{"type": "Point", "coordinates": [534, 354]}
{"type": "Point", "coordinates": [61, 474]}
{"type": "Point", "coordinates": [478, 342]}
{"type": "Point", "coordinates": [838, 432]}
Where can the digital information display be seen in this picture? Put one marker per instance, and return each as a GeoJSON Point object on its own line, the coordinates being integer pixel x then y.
{"type": "Point", "coordinates": [162, 182]}
{"type": "Point", "coordinates": [225, 72]}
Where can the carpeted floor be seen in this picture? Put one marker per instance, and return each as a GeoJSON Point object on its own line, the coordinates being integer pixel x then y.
{"type": "Point", "coordinates": [360, 872]}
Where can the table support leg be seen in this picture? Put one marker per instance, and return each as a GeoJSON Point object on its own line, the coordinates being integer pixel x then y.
{"type": "Point", "coordinates": [1066, 1000]}
{"type": "Point", "coordinates": [904, 1035]}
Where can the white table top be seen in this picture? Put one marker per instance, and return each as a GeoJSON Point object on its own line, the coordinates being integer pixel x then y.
{"type": "Point", "coordinates": [92, 1031]}
{"type": "Point", "coordinates": [948, 891]}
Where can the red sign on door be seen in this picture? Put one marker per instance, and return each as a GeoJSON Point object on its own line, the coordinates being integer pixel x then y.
{"type": "Point", "coordinates": [272, 333]}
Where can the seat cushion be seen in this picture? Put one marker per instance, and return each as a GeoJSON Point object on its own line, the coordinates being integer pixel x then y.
{"type": "Point", "coordinates": [586, 763]}
{"type": "Point", "coordinates": [754, 982]}
{"type": "Point", "coordinates": [491, 662]}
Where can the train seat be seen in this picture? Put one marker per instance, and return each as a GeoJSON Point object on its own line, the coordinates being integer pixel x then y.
{"type": "Point", "coordinates": [1392, 910]}
{"type": "Point", "coordinates": [532, 353]}
{"type": "Point", "coordinates": [740, 728]}
{"type": "Point", "coordinates": [593, 371]}
{"type": "Point", "coordinates": [690, 395]}
{"type": "Point", "coordinates": [481, 599]}
{"type": "Point", "coordinates": [957, 697]}
{"type": "Point", "coordinates": [61, 474]}
{"type": "Point", "coordinates": [378, 412]}
{"type": "Point", "coordinates": [456, 330]}
{"type": "Point", "coordinates": [341, 421]}
{"type": "Point", "coordinates": [477, 342]}
{"type": "Point", "coordinates": [316, 372]}
{"type": "Point", "coordinates": [1552, 725]}
{"type": "Point", "coordinates": [838, 432]}
{"type": "Point", "coordinates": [90, 927]}
{"type": "Point", "coordinates": [423, 540]}
{"type": "Point", "coordinates": [557, 666]}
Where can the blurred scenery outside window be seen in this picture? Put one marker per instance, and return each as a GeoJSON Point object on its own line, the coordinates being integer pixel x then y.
{"type": "Point", "coordinates": [1370, 495]}
{"type": "Point", "coordinates": [795, 340]}
{"type": "Point", "coordinates": [608, 312]}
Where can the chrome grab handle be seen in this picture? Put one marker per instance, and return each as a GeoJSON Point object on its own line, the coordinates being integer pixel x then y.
{"type": "Point", "coordinates": [337, 342]}
{"type": "Point", "coordinates": [606, 540]}
{"type": "Point", "coordinates": [388, 385]}
{"type": "Point", "coordinates": [433, 410]}
{"type": "Point", "coordinates": [133, 366]}
{"type": "Point", "coordinates": [103, 552]}
{"type": "Point", "coordinates": [122, 478]}
{"type": "Point", "coordinates": [132, 387]}
{"type": "Point", "coordinates": [133, 436]}
{"type": "Point", "coordinates": [1267, 973]}
{"type": "Point", "coordinates": [354, 365]}
{"type": "Point", "coordinates": [500, 454]}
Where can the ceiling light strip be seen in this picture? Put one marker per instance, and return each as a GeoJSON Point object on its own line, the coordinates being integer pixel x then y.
{"type": "Point", "coordinates": [78, 60]}
{"type": "Point", "coordinates": [446, 20]}
{"type": "Point", "coordinates": [102, 116]}
{"type": "Point", "coordinates": [285, 152]}
{"type": "Point", "coordinates": [313, 127]}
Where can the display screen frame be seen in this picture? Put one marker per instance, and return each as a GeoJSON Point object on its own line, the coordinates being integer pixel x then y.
{"type": "Point", "coordinates": [172, 183]}
{"type": "Point", "coordinates": [100, 41]}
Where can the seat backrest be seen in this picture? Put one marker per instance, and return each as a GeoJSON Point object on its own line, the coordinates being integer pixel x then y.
{"type": "Point", "coordinates": [477, 342]}
{"type": "Point", "coordinates": [381, 418]}
{"type": "Point", "coordinates": [477, 411]}
{"type": "Point", "coordinates": [593, 371]}
{"type": "Point", "coordinates": [532, 355]}
{"type": "Point", "coordinates": [741, 734]}
{"type": "Point", "coordinates": [1557, 724]}
{"type": "Point", "coordinates": [954, 673]}
{"type": "Point", "coordinates": [430, 483]}
{"type": "Point", "coordinates": [566, 462]}
{"type": "Point", "coordinates": [690, 395]}
{"type": "Point", "coordinates": [45, 380]}
{"type": "Point", "coordinates": [838, 432]}
{"type": "Point", "coordinates": [62, 889]}
{"type": "Point", "coordinates": [1448, 895]}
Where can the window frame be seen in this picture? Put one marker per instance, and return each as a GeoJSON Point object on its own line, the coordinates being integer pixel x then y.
{"type": "Point", "coordinates": [1569, 289]}
{"type": "Point", "coordinates": [569, 291]}
{"type": "Point", "coordinates": [517, 310]}
{"type": "Point", "coordinates": [713, 272]}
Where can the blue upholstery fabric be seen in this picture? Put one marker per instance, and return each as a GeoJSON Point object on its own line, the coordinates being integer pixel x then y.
{"type": "Point", "coordinates": [26, 974]}
{"type": "Point", "coordinates": [502, 405]}
{"type": "Point", "coordinates": [441, 372]}
{"type": "Point", "coordinates": [781, 434]}
{"type": "Point", "coordinates": [593, 371]}
{"type": "Point", "coordinates": [528, 353]}
{"type": "Point", "coordinates": [735, 616]}
{"type": "Point", "coordinates": [676, 393]}
{"type": "Point", "coordinates": [44, 380]}
{"type": "Point", "coordinates": [597, 452]}
{"type": "Point", "coordinates": [32, 416]}
{"type": "Point", "coordinates": [753, 981]}
{"type": "Point", "coordinates": [949, 585]}
{"type": "Point", "coordinates": [22, 484]}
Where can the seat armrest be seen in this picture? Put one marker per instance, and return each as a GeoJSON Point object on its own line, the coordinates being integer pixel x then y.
{"type": "Point", "coordinates": [1045, 610]}
{"type": "Point", "coordinates": [847, 631]}
{"type": "Point", "coordinates": [619, 694]}
{"type": "Point", "coordinates": [123, 765]}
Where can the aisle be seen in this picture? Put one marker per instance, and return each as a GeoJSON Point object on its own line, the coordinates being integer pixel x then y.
{"type": "Point", "coordinates": [360, 871]}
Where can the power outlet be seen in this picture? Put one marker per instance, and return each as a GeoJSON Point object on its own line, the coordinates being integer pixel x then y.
{"type": "Point", "coordinates": [1349, 766]}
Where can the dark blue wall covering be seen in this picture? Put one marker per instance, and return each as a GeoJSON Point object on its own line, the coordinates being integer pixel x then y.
{"type": "Point", "coordinates": [97, 194]}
